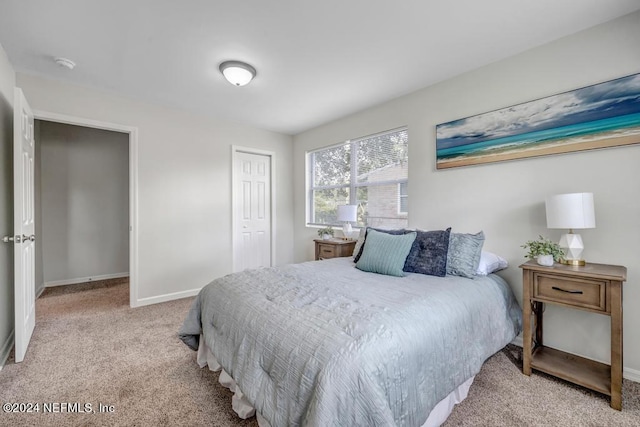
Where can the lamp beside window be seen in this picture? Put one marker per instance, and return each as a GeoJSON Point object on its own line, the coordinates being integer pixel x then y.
{"type": "Point", "coordinates": [347, 214]}
{"type": "Point", "coordinates": [571, 211]}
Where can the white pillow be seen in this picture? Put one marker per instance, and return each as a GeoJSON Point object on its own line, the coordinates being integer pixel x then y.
{"type": "Point", "coordinates": [490, 262]}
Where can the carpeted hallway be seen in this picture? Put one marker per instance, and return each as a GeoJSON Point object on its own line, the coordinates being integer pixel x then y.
{"type": "Point", "coordinates": [90, 347]}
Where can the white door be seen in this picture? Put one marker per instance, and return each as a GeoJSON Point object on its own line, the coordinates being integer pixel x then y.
{"type": "Point", "coordinates": [23, 224]}
{"type": "Point", "coordinates": [252, 200]}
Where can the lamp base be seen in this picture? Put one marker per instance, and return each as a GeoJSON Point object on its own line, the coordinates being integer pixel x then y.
{"type": "Point", "coordinates": [572, 245]}
{"type": "Point", "coordinates": [346, 230]}
{"type": "Point", "coordinates": [577, 262]}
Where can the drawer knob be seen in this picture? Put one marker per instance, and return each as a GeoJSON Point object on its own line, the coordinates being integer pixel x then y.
{"type": "Point", "coordinates": [570, 291]}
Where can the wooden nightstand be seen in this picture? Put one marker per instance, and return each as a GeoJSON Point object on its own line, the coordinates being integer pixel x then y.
{"type": "Point", "coordinates": [594, 287]}
{"type": "Point", "coordinates": [334, 248]}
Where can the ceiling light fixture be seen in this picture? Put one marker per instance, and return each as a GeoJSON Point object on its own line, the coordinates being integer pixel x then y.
{"type": "Point", "coordinates": [64, 62]}
{"type": "Point", "coordinates": [237, 73]}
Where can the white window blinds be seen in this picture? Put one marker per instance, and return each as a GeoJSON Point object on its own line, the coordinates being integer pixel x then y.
{"type": "Point", "coordinates": [370, 172]}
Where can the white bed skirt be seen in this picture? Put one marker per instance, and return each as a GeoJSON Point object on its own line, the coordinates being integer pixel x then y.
{"type": "Point", "coordinates": [244, 409]}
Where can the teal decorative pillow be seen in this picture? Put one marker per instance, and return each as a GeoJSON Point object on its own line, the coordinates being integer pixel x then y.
{"type": "Point", "coordinates": [385, 253]}
{"type": "Point", "coordinates": [464, 254]}
{"type": "Point", "coordinates": [358, 254]}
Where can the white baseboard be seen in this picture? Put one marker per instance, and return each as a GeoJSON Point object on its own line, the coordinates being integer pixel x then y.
{"type": "Point", "coordinates": [5, 350]}
{"type": "Point", "coordinates": [84, 279]}
{"type": "Point", "coordinates": [166, 297]}
{"type": "Point", "coordinates": [517, 341]}
{"type": "Point", "coordinates": [627, 373]}
{"type": "Point", "coordinates": [631, 374]}
{"type": "Point", "coordinates": [39, 290]}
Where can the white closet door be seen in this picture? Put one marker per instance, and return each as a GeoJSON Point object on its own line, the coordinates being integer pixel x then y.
{"type": "Point", "coordinates": [252, 234]}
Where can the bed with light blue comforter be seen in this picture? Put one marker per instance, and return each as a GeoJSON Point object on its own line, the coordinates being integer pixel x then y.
{"type": "Point", "coordinates": [324, 344]}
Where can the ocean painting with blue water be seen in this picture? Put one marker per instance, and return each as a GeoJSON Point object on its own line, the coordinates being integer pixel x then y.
{"type": "Point", "coordinates": [599, 116]}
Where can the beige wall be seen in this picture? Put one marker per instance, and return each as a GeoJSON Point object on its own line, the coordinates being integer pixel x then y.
{"type": "Point", "coordinates": [184, 184]}
{"type": "Point", "coordinates": [506, 200]}
{"type": "Point", "coordinates": [7, 83]}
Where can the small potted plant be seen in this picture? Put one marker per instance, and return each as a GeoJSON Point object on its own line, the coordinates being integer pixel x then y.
{"type": "Point", "coordinates": [544, 251]}
{"type": "Point", "coordinates": [325, 233]}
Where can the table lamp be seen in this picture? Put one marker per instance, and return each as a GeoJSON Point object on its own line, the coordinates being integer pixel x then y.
{"type": "Point", "coordinates": [571, 211]}
{"type": "Point", "coordinates": [347, 214]}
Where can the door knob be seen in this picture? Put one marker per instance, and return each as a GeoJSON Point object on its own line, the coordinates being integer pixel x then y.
{"type": "Point", "coordinates": [8, 239]}
{"type": "Point", "coordinates": [25, 237]}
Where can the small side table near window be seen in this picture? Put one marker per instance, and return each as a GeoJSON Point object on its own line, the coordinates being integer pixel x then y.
{"type": "Point", "coordinates": [333, 248]}
{"type": "Point", "coordinates": [596, 288]}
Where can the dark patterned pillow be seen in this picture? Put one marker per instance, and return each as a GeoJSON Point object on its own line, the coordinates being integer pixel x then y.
{"type": "Point", "coordinates": [428, 253]}
{"type": "Point", "coordinates": [356, 258]}
{"type": "Point", "coordinates": [359, 242]}
{"type": "Point", "coordinates": [464, 254]}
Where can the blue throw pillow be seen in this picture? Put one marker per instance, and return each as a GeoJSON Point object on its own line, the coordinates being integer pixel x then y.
{"type": "Point", "coordinates": [385, 253]}
{"type": "Point", "coordinates": [428, 253]}
{"type": "Point", "coordinates": [464, 254]}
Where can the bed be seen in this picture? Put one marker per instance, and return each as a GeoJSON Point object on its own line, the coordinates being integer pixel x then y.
{"type": "Point", "coordinates": [323, 343]}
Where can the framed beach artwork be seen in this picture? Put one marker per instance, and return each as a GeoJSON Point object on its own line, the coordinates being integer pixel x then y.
{"type": "Point", "coordinates": [598, 116]}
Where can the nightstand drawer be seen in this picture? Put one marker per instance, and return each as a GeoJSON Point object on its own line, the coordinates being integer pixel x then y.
{"type": "Point", "coordinates": [577, 292]}
{"type": "Point", "coordinates": [333, 248]}
{"type": "Point", "coordinates": [326, 251]}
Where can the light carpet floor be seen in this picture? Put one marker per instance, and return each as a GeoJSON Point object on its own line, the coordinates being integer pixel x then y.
{"type": "Point", "coordinates": [89, 347]}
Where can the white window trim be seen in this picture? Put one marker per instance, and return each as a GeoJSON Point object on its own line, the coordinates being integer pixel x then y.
{"type": "Point", "coordinates": [400, 196]}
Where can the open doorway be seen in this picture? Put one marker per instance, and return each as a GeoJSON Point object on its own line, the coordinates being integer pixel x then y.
{"type": "Point", "coordinates": [86, 204]}
{"type": "Point", "coordinates": [82, 208]}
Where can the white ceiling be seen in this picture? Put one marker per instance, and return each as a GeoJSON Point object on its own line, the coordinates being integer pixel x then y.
{"type": "Point", "coordinates": [316, 60]}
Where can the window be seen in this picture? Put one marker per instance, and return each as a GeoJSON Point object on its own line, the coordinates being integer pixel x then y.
{"type": "Point", "coordinates": [371, 172]}
{"type": "Point", "coordinates": [402, 198]}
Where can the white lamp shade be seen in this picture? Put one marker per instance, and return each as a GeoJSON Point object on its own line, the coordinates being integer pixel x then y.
{"type": "Point", "coordinates": [348, 213]}
{"type": "Point", "coordinates": [571, 211]}
{"type": "Point", "coordinates": [237, 73]}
